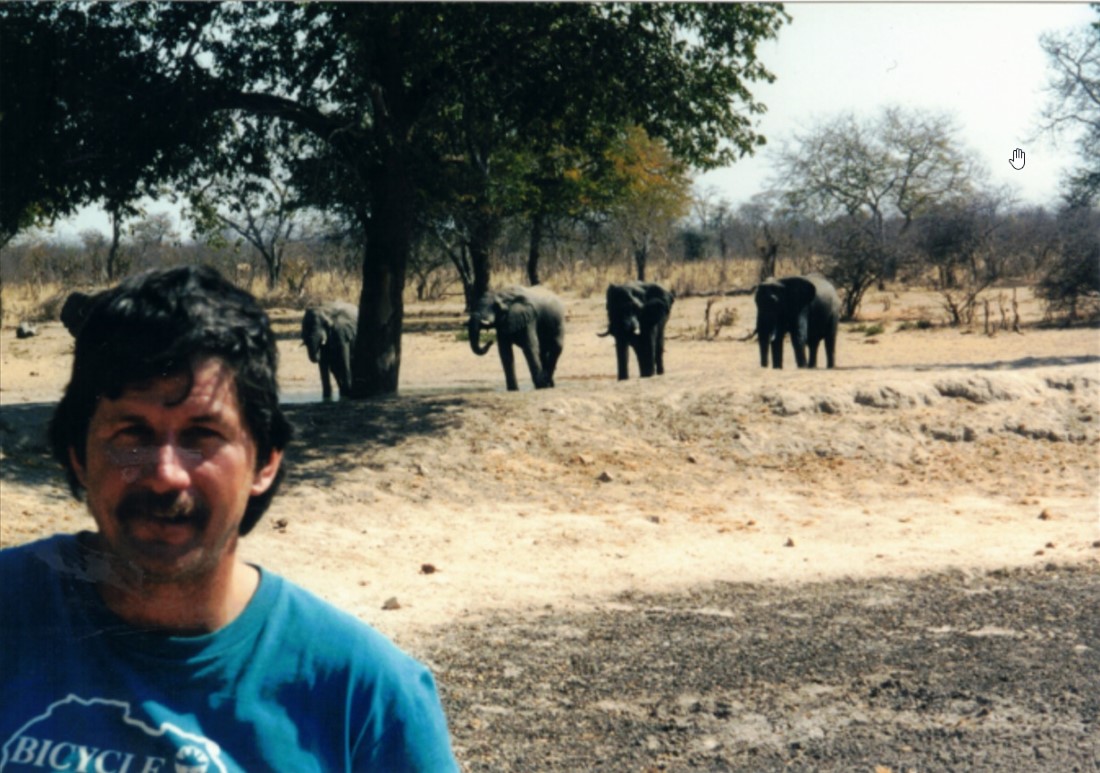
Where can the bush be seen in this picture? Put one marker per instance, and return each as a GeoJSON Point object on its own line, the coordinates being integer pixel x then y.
{"type": "Point", "coordinates": [1070, 286]}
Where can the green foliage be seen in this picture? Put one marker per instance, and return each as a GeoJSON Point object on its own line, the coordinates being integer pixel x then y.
{"type": "Point", "coordinates": [87, 112]}
{"type": "Point", "coordinates": [1070, 285]}
{"type": "Point", "coordinates": [465, 111]}
{"type": "Point", "coordinates": [488, 336]}
{"type": "Point", "coordinates": [869, 330]}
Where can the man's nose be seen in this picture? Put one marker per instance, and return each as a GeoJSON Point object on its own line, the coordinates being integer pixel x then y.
{"type": "Point", "coordinates": [169, 467]}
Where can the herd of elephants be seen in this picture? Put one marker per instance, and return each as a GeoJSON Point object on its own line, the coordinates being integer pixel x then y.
{"type": "Point", "coordinates": [533, 319]}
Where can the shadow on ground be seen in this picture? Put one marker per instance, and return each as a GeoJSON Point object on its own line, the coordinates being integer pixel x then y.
{"type": "Point", "coordinates": [25, 447]}
{"type": "Point", "coordinates": [329, 438]}
{"type": "Point", "coordinates": [332, 438]}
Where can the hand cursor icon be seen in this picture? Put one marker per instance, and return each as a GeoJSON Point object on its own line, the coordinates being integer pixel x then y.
{"type": "Point", "coordinates": [1017, 155]}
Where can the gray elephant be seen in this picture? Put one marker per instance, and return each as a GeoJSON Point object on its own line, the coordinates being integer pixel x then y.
{"type": "Point", "coordinates": [328, 332]}
{"type": "Point", "coordinates": [528, 317]}
{"type": "Point", "coordinates": [637, 313]}
{"type": "Point", "coordinates": [806, 307]}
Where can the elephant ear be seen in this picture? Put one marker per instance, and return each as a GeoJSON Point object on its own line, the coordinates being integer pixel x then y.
{"type": "Point", "coordinates": [769, 290]}
{"type": "Point", "coordinates": [657, 295]}
{"type": "Point", "coordinates": [654, 311]}
{"type": "Point", "coordinates": [520, 314]}
{"type": "Point", "coordinates": [623, 298]}
{"type": "Point", "coordinates": [344, 325]}
{"type": "Point", "coordinates": [309, 322]}
{"type": "Point", "coordinates": [801, 290]}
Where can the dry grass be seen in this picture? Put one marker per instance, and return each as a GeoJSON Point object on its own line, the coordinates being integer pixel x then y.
{"type": "Point", "coordinates": [32, 301]}
{"type": "Point", "coordinates": [300, 288]}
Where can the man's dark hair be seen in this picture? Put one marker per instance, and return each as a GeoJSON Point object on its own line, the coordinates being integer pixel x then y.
{"type": "Point", "coordinates": [158, 324]}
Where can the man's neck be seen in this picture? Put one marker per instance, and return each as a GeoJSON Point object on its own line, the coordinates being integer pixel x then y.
{"type": "Point", "coordinates": [191, 607]}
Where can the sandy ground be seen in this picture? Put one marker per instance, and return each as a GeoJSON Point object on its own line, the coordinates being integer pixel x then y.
{"type": "Point", "coordinates": [925, 450]}
{"type": "Point", "coordinates": [889, 566]}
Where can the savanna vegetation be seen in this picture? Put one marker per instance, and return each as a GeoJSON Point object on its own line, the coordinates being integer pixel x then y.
{"type": "Point", "coordinates": [383, 153]}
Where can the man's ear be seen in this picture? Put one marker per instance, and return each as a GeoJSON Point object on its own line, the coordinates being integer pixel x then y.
{"type": "Point", "coordinates": [265, 475]}
{"type": "Point", "coordinates": [78, 468]}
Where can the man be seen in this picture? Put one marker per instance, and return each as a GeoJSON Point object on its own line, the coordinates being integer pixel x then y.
{"type": "Point", "coordinates": [149, 645]}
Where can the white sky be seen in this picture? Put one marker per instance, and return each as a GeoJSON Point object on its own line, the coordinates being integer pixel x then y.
{"type": "Point", "coordinates": [979, 62]}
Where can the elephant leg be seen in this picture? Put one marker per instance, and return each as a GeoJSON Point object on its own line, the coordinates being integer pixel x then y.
{"type": "Point", "coordinates": [550, 355]}
{"type": "Point", "coordinates": [326, 382]}
{"type": "Point", "coordinates": [811, 352]}
{"type": "Point", "coordinates": [798, 342]}
{"type": "Point", "coordinates": [799, 352]}
{"type": "Point", "coordinates": [764, 342]}
{"type": "Point", "coordinates": [622, 354]}
{"type": "Point", "coordinates": [534, 363]}
{"type": "Point", "coordinates": [830, 349]}
{"type": "Point", "coordinates": [644, 348]}
{"type": "Point", "coordinates": [343, 372]}
{"type": "Point", "coordinates": [508, 361]}
{"type": "Point", "coordinates": [777, 352]}
{"type": "Point", "coordinates": [659, 350]}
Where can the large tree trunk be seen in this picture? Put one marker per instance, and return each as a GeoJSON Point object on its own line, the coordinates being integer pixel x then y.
{"type": "Point", "coordinates": [483, 231]}
{"type": "Point", "coordinates": [479, 256]}
{"type": "Point", "coordinates": [116, 240]}
{"type": "Point", "coordinates": [376, 362]}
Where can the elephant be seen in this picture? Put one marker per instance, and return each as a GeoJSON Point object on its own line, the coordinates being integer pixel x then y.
{"type": "Point", "coordinates": [637, 313]}
{"type": "Point", "coordinates": [528, 317]}
{"type": "Point", "coordinates": [807, 307]}
{"type": "Point", "coordinates": [328, 333]}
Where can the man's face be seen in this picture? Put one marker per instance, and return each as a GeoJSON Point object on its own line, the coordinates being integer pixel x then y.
{"type": "Point", "coordinates": [169, 476]}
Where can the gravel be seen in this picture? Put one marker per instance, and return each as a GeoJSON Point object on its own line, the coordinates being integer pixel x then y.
{"type": "Point", "coordinates": [954, 671]}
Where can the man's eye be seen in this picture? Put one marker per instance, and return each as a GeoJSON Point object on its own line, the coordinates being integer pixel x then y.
{"type": "Point", "coordinates": [131, 435]}
{"type": "Point", "coordinates": [200, 438]}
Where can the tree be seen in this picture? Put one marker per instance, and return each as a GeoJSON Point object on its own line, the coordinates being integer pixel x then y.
{"type": "Point", "coordinates": [261, 212]}
{"type": "Point", "coordinates": [562, 183]}
{"type": "Point", "coordinates": [773, 230]}
{"type": "Point", "coordinates": [86, 113]}
{"type": "Point", "coordinates": [957, 240]}
{"type": "Point", "coordinates": [1071, 283]}
{"type": "Point", "coordinates": [378, 96]}
{"type": "Point", "coordinates": [1074, 103]}
{"type": "Point", "coordinates": [864, 175]}
{"type": "Point", "coordinates": [654, 191]}
{"type": "Point", "coordinates": [713, 217]}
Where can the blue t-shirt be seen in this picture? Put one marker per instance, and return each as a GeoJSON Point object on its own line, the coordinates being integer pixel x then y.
{"type": "Point", "coordinates": [292, 684]}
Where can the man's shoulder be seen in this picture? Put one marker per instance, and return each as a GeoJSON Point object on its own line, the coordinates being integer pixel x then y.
{"type": "Point", "coordinates": [38, 556]}
{"type": "Point", "coordinates": [327, 630]}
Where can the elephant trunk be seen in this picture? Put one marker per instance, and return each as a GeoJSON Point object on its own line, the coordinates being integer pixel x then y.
{"type": "Point", "coordinates": [474, 327]}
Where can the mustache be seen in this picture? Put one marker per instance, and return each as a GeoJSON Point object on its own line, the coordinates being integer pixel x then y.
{"type": "Point", "coordinates": [170, 505]}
